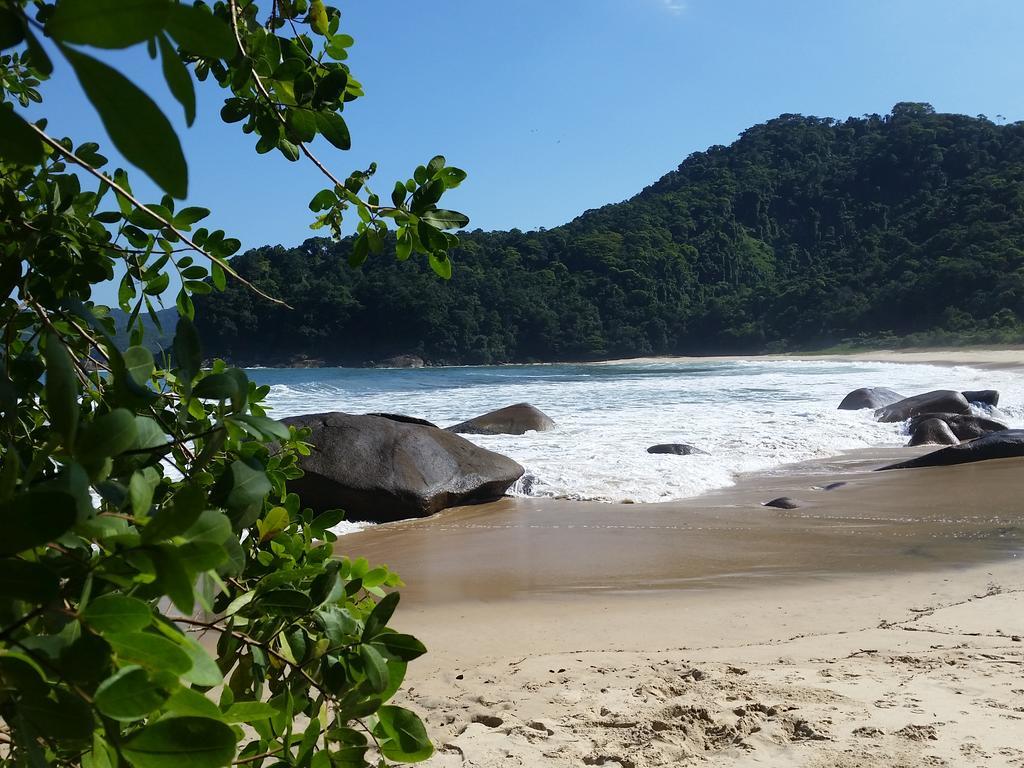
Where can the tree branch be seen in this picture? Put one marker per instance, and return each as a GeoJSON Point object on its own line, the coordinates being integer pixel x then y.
{"type": "Point", "coordinates": [222, 263]}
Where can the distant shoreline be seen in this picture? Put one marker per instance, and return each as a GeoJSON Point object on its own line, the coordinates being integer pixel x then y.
{"type": "Point", "coordinates": [985, 357]}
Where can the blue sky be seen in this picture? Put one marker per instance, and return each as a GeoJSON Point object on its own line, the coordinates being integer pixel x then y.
{"type": "Point", "coordinates": [557, 106]}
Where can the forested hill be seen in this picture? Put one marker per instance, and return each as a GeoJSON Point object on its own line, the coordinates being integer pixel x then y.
{"type": "Point", "coordinates": [806, 232]}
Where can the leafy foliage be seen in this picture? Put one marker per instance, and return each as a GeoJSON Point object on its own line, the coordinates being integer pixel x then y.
{"type": "Point", "coordinates": [163, 597]}
{"type": "Point", "coordinates": [804, 233]}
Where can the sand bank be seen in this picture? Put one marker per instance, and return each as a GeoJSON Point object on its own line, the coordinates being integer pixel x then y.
{"type": "Point", "coordinates": [1006, 358]}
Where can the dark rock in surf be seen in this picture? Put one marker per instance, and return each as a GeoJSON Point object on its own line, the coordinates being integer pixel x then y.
{"type": "Point", "coordinates": [676, 449]}
{"type": "Point", "coordinates": [997, 445]}
{"type": "Point", "coordinates": [965, 426]}
{"type": "Point", "coordinates": [983, 396]}
{"type": "Point", "coordinates": [869, 397]}
{"type": "Point", "coordinates": [380, 469]}
{"type": "Point", "coordinates": [834, 486]}
{"type": "Point", "coordinates": [939, 401]}
{"type": "Point", "coordinates": [931, 431]}
{"type": "Point", "coordinates": [512, 420]}
{"type": "Point", "coordinates": [783, 502]}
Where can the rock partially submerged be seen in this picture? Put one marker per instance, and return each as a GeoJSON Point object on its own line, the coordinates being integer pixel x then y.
{"type": "Point", "coordinates": [939, 401]}
{"type": "Point", "coordinates": [869, 397]}
{"type": "Point", "coordinates": [676, 449]}
{"type": "Point", "coordinates": [380, 469]}
{"type": "Point", "coordinates": [931, 431]}
{"type": "Point", "coordinates": [964, 426]}
{"type": "Point", "coordinates": [512, 420]}
{"type": "Point", "coordinates": [1007, 444]}
{"type": "Point", "coordinates": [988, 397]}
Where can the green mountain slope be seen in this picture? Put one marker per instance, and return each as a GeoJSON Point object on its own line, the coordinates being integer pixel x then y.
{"type": "Point", "coordinates": [805, 232]}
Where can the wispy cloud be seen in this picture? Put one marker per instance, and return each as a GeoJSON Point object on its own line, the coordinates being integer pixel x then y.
{"type": "Point", "coordinates": [675, 7]}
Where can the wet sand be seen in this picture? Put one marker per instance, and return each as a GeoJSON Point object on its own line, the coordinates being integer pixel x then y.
{"type": "Point", "coordinates": [878, 522]}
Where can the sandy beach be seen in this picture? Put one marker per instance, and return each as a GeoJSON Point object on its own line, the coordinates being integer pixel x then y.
{"type": "Point", "coordinates": [1005, 358]}
{"type": "Point", "coordinates": [877, 624]}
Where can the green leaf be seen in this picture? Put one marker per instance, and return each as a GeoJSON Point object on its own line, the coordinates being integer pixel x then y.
{"type": "Point", "coordinates": [375, 667]}
{"type": "Point", "coordinates": [318, 17]}
{"type": "Point", "coordinates": [249, 711]}
{"type": "Point", "coordinates": [212, 527]}
{"type": "Point", "coordinates": [139, 364]}
{"type": "Point", "coordinates": [333, 128]}
{"type": "Point", "coordinates": [187, 354]}
{"type": "Point", "coordinates": [175, 580]}
{"type": "Point", "coordinates": [109, 435]}
{"type": "Point", "coordinates": [149, 434]}
{"type": "Point", "coordinates": [149, 650]}
{"type": "Point", "coordinates": [36, 518]}
{"type": "Point", "coordinates": [140, 494]}
{"type": "Point", "coordinates": [157, 285]}
{"type": "Point", "coordinates": [12, 28]}
{"type": "Point", "coordinates": [134, 122]}
{"type": "Point", "coordinates": [445, 219]}
{"type": "Point", "coordinates": [117, 613]}
{"type": "Point", "coordinates": [198, 742]}
{"type": "Point", "coordinates": [404, 647]}
{"type": "Point", "coordinates": [186, 217]}
{"type": "Point", "coordinates": [129, 695]}
{"type": "Point", "coordinates": [301, 124]}
{"type": "Point", "coordinates": [268, 427]}
{"type": "Point", "coordinates": [402, 735]}
{"type": "Point", "coordinates": [204, 670]}
{"type": "Point", "coordinates": [200, 32]}
{"type": "Point", "coordinates": [248, 485]}
{"type": "Point", "coordinates": [107, 23]}
{"type": "Point", "coordinates": [61, 389]}
{"type": "Point", "coordinates": [18, 142]}
{"type": "Point", "coordinates": [176, 518]}
{"type": "Point", "coordinates": [285, 602]}
{"type": "Point", "coordinates": [186, 701]}
{"type": "Point", "coordinates": [216, 386]}
{"type": "Point", "coordinates": [380, 615]}
{"type": "Point", "coordinates": [23, 580]}
{"type": "Point", "coordinates": [275, 521]}
{"type": "Point", "coordinates": [178, 79]}
{"type": "Point", "coordinates": [442, 265]}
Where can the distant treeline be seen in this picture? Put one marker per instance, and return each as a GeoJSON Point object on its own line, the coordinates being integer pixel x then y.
{"type": "Point", "coordinates": [806, 232]}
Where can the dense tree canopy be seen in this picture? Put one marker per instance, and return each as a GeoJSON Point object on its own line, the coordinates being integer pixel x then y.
{"type": "Point", "coordinates": [805, 232]}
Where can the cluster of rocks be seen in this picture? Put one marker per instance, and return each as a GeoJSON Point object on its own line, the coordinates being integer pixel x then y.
{"type": "Point", "coordinates": [970, 423]}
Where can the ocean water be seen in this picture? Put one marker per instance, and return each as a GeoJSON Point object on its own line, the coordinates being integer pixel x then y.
{"type": "Point", "coordinates": [748, 415]}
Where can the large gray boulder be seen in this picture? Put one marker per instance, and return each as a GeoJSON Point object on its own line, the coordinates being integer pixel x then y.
{"type": "Point", "coordinates": [512, 420]}
{"type": "Point", "coordinates": [997, 445]}
{"type": "Point", "coordinates": [869, 397]}
{"type": "Point", "coordinates": [965, 426]}
{"type": "Point", "coordinates": [380, 469]}
{"type": "Point", "coordinates": [939, 401]}
{"type": "Point", "coordinates": [984, 396]}
{"type": "Point", "coordinates": [931, 431]}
